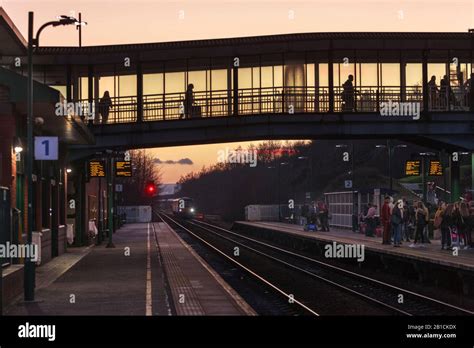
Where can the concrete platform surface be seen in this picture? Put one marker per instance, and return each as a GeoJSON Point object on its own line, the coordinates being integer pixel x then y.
{"type": "Point", "coordinates": [151, 271]}
{"type": "Point", "coordinates": [196, 288]}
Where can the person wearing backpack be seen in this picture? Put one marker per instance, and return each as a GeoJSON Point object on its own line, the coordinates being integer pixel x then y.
{"type": "Point", "coordinates": [421, 216]}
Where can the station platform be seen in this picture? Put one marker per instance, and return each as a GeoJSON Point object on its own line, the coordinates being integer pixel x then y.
{"type": "Point", "coordinates": [428, 252]}
{"type": "Point", "coordinates": [195, 287]}
{"type": "Point", "coordinates": [138, 277]}
{"type": "Point", "coordinates": [426, 265]}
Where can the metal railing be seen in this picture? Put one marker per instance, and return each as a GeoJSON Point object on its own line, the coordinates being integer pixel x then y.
{"type": "Point", "coordinates": [277, 100]}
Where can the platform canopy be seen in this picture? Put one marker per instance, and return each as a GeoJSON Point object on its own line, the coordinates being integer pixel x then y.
{"type": "Point", "coordinates": [11, 41]}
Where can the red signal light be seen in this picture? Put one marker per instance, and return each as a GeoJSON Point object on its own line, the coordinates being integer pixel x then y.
{"type": "Point", "coordinates": [150, 188]}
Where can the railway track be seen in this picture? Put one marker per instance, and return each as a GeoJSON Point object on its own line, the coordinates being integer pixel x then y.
{"type": "Point", "coordinates": [303, 309]}
{"type": "Point", "coordinates": [389, 298]}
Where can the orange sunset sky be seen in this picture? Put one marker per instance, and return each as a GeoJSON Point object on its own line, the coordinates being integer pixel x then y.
{"type": "Point", "coordinates": [126, 21]}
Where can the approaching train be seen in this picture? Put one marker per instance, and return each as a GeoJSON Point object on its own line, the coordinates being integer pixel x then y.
{"type": "Point", "coordinates": [183, 207]}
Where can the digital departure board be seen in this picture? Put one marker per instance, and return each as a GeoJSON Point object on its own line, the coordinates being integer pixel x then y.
{"type": "Point", "coordinates": [436, 168]}
{"type": "Point", "coordinates": [123, 169]}
{"type": "Point", "coordinates": [97, 169]}
{"type": "Point", "coordinates": [412, 168]}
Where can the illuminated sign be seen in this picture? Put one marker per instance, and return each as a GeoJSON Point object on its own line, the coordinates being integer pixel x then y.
{"type": "Point", "coordinates": [96, 169]}
{"type": "Point", "coordinates": [436, 169]}
{"type": "Point", "coordinates": [412, 168]}
{"type": "Point", "coordinates": [123, 169]}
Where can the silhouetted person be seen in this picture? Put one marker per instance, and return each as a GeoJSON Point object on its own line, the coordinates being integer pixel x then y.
{"type": "Point", "coordinates": [189, 101]}
{"type": "Point", "coordinates": [433, 90]}
{"type": "Point", "coordinates": [348, 94]}
{"type": "Point", "coordinates": [444, 92]}
{"type": "Point", "coordinates": [105, 104]}
{"type": "Point", "coordinates": [470, 92]}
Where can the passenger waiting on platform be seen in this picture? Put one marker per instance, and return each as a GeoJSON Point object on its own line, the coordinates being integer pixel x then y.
{"type": "Point", "coordinates": [457, 225]}
{"type": "Point", "coordinates": [385, 217]}
{"type": "Point", "coordinates": [471, 222]}
{"type": "Point", "coordinates": [305, 213]}
{"type": "Point", "coordinates": [348, 95]}
{"type": "Point", "coordinates": [189, 101]}
{"type": "Point", "coordinates": [433, 92]}
{"type": "Point", "coordinates": [421, 219]}
{"type": "Point", "coordinates": [441, 221]}
{"type": "Point", "coordinates": [406, 221]}
{"type": "Point", "coordinates": [411, 220]}
{"type": "Point", "coordinates": [450, 220]}
{"type": "Point", "coordinates": [465, 227]}
{"type": "Point", "coordinates": [323, 216]}
{"type": "Point", "coordinates": [370, 220]}
{"type": "Point", "coordinates": [397, 221]}
{"type": "Point", "coordinates": [105, 104]}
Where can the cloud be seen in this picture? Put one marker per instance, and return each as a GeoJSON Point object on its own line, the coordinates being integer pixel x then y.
{"type": "Point", "coordinates": [185, 161]}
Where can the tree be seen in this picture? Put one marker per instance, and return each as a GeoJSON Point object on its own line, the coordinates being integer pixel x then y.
{"type": "Point", "coordinates": [144, 170]}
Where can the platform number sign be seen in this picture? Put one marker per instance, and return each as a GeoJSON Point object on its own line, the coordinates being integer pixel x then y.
{"type": "Point", "coordinates": [46, 148]}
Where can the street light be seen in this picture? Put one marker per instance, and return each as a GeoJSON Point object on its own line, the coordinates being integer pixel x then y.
{"type": "Point", "coordinates": [33, 42]}
{"type": "Point", "coordinates": [391, 150]}
{"type": "Point", "coordinates": [278, 188]}
{"type": "Point", "coordinates": [310, 163]}
{"type": "Point", "coordinates": [423, 171]}
{"type": "Point", "coordinates": [352, 174]}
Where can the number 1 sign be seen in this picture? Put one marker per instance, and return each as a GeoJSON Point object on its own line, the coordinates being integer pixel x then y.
{"type": "Point", "coordinates": [46, 148]}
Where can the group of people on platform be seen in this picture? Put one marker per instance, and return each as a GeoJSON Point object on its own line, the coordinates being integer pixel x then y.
{"type": "Point", "coordinates": [316, 214]}
{"type": "Point", "coordinates": [440, 98]}
{"type": "Point", "coordinates": [401, 221]}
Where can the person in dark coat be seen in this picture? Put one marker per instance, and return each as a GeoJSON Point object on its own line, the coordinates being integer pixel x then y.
{"type": "Point", "coordinates": [385, 216]}
{"type": "Point", "coordinates": [397, 221]}
{"type": "Point", "coordinates": [105, 104]}
{"type": "Point", "coordinates": [348, 94]}
{"type": "Point", "coordinates": [189, 101]}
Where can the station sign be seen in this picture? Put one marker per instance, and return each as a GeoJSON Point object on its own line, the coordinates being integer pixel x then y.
{"type": "Point", "coordinates": [123, 169]}
{"type": "Point", "coordinates": [436, 168]}
{"type": "Point", "coordinates": [96, 169]}
{"type": "Point", "coordinates": [46, 148]}
{"type": "Point", "coordinates": [412, 168]}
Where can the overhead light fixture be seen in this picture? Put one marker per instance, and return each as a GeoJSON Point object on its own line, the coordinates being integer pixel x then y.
{"type": "Point", "coordinates": [68, 170]}
{"type": "Point", "coordinates": [17, 145]}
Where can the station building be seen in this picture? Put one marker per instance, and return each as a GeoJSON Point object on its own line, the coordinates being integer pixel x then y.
{"type": "Point", "coordinates": [301, 74]}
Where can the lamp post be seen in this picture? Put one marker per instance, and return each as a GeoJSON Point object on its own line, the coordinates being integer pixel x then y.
{"type": "Point", "coordinates": [33, 42]}
{"type": "Point", "coordinates": [391, 150]}
{"type": "Point", "coordinates": [310, 164]}
{"type": "Point", "coordinates": [423, 171]}
{"type": "Point", "coordinates": [351, 152]}
{"type": "Point", "coordinates": [278, 188]}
